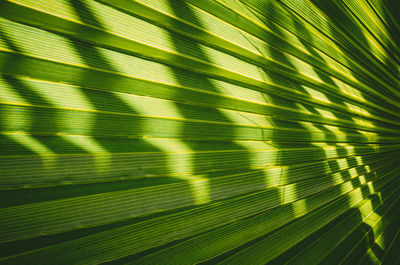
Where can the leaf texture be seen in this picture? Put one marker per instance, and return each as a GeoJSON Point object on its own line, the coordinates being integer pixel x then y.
{"type": "Point", "coordinates": [199, 132]}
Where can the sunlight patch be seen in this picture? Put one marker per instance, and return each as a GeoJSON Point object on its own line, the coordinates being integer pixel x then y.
{"type": "Point", "coordinates": [102, 158]}
{"type": "Point", "coordinates": [47, 156]}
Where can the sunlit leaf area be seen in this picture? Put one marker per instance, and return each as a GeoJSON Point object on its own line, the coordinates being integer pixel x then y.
{"type": "Point", "coordinates": [158, 132]}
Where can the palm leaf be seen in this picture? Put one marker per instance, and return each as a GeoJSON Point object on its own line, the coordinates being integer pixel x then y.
{"type": "Point", "coordinates": [207, 131]}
